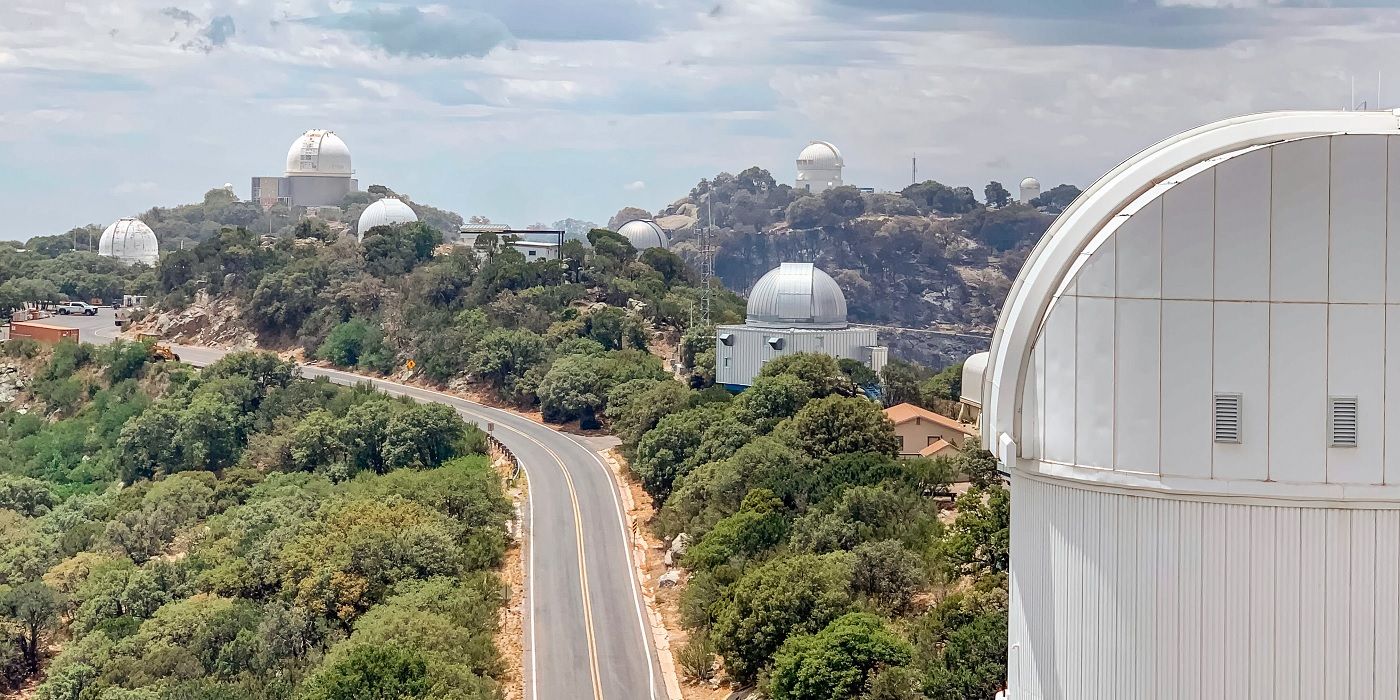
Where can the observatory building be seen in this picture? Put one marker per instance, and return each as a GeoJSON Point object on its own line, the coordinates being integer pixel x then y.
{"type": "Point", "coordinates": [129, 240]}
{"type": "Point", "coordinates": [318, 174]}
{"type": "Point", "coordinates": [794, 308]}
{"type": "Point", "coordinates": [819, 167]}
{"type": "Point", "coordinates": [384, 212]}
{"type": "Point", "coordinates": [1030, 189]}
{"type": "Point", "coordinates": [1193, 387]}
{"type": "Point", "coordinates": [645, 233]}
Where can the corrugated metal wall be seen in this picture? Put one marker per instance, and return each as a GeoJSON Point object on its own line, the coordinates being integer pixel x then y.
{"type": "Point", "coordinates": [739, 363]}
{"type": "Point", "coordinates": [1121, 597]}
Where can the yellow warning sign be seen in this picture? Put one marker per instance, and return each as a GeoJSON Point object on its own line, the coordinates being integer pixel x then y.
{"type": "Point", "coordinates": [410, 365]}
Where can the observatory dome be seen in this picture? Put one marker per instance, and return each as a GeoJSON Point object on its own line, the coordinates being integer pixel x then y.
{"type": "Point", "coordinates": [645, 233]}
{"type": "Point", "coordinates": [820, 154]}
{"type": "Point", "coordinates": [797, 295]}
{"type": "Point", "coordinates": [385, 212]}
{"type": "Point", "coordinates": [1030, 182]}
{"type": "Point", "coordinates": [129, 241]}
{"type": "Point", "coordinates": [319, 153]}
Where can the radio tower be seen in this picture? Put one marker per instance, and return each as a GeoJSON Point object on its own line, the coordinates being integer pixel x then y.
{"type": "Point", "coordinates": [707, 260]}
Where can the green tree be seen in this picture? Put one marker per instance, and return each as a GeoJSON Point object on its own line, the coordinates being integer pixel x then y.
{"type": "Point", "coordinates": [820, 371]}
{"type": "Point", "coordinates": [28, 497]}
{"type": "Point", "coordinates": [979, 541]}
{"type": "Point", "coordinates": [785, 597]}
{"type": "Point", "coordinates": [901, 383]}
{"type": "Point", "coordinates": [839, 425]}
{"type": "Point", "coordinates": [423, 436]}
{"type": "Point", "coordinates": [946, 385]}
{"type": "Point", "coordinates": [372, 673]}
{"type": "Point", "coordinates": [636, 406]}
{"type": "Point", "coordinates": [771, 399]}
{"type": "Point", "coordinates": [29, 611]}
{"type": "Point", "coordinates": [759, 526]}
{"type": "Point", "coordinates": [996, 194]}
{"type": "Point", "coordinates": [836, 662]}
{"type": "Point", "coordinates": [887, 573]}
{"type": "Point", "coordinates": [573, 388]}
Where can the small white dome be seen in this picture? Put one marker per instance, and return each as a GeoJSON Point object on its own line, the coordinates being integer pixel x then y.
{"type": "Point", "coordinates": [319, 153]}
{"type": "Point", "coordinates": [820, 154]}
{"type": "Point", "coordinates": [797, 295]}
{"type": "Point", "coordinates": [1030, 183]}
{"type": "Point", "coordinates": [129, 241]}
{"type": "Point", "coordinates": [645, 233]}
{"type": "Point", "coordinates": [385, 212]}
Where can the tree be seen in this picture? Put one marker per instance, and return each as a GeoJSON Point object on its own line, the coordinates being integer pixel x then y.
{"type": "Point", "coordinates": [820, 371]}
{"type": "Point", "coordinates": [843, 203]}
{"type": "Point", "coordinates": [836, 662]}
{"type": "Point", "coordinates": [664, 453]}
{"type": "Point", "coordinates": [961, 643]}
{"type": "Point", "coordinates": [759, 526]}
{"type": "Point", "coordinates": [979, 541]}
{"type": "Point", "coordinates": [29, 611]}
{"type": "Point", "coordinates": [1057, 198]}
{"type": "Point", "coordinates": [887, 573]}
{"type": "Point", "coordinates": [635, 407]}
{"type": "Point", "coordinates": [372, 673]}
{"type": "Point", "coordinates": [806, 212]}
{"type": "Point", "coordinates": [946, 385]}
{"type": "Point", "coordinates": [423, 436]}
{"type": "Point", "coordinates": [940, 198]}
{"type": "Point", "coordinates": [28, 497]}
{"type": "Point", "coordinates": [771, 399]}
{"type": "Point", "coordinates": [573, 388]}
{"type": "Point", "coordinates": [901, 383]}
{"type": "Point", "coordinates": [997, 196]}
{"type": "Point", "coordinates": [783, 598]}
{"type": "Point", "coordinates": [839, 425]}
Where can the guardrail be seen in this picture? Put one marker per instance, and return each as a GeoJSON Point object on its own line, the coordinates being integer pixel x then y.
{"type": "Point", "coordinates": [498, 450]}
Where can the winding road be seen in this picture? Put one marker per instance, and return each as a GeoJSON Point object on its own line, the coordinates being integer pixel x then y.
{"type": "Point", "coordinates": [586, 630]}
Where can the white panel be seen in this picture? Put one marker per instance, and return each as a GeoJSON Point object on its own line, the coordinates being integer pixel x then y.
{"type": "Point", "coordinates": [1392, 258]}
{"type": "Point", "coordinates": [1139, 243]}
{"type": "Point", "coordinates": [1363, 608]}
{"type": "Point", "coordinates": [1139, 386]}
{"type": "Point", "coordinates": [1387, 611]}
{"type": "Point", "coordinates": [1031, 425]}
{"type": "Point", "coordinates": [1298, 392]}
{"type": "Point", "coordinates": [1094, 384]}
{"type": "Point", "coordinates": [1337, 604]}
{"type": "Point", "coordinates": [1186, 382]}
{"type": "Point", "coordinates": [1259, 594]}
{"type": "Point", "coordinates": [1242, 188]}
{"type": "Point", "coordinates": [1098, 276]}
{"type": "Point", "coordinates": [1300, 202]}
{"type": "Point", "coordinates": [1287, 619]}
{"type": "Point", "coordinates": [1391, 400]}
{"type": "Point", "coordinates": [1238, 564]}
{"type": "Point", "coordinates": [1190, 579]}
{"type": "Point", "coordinates": [1213, 612]}
{"type": "Point", "coordinates": [1311, 573]}
{"type": "Point", "coordinates": [1358, 219]}
{"type": "Point", "coordinates": [1355, 355]}
{"type": "Point", "coordinates": [1242, 367]}
{"type": "Point", "coordinates": [1188, 237]}
{"type": "Point", "coordinates": [1059, 341]}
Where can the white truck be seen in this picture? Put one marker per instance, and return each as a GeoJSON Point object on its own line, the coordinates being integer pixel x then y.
{"type": "Point", "coordinates": [77, 308]}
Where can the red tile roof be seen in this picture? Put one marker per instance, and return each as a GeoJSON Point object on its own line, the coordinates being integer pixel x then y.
{"type": "Point", "coordinates": [905, 412]}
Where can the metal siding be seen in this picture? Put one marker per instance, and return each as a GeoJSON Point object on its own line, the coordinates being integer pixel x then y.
{"type": "Point", "coordinates": [1094, 381]}
{"type": "Point", "coordinates": [1311, 570]}
{"type": "Point", "coordinates": [1059, 341]}
{"type": "Point", "coordinates": [1392, 258]}
{"type": "Point", "coordinates": [1138, 386]}
{"type": "Point", "coordinates": [1297, 392]}
{"type": "Point", "coordinates": [1387, 605]}
{"type": "Point", "coordinates": [1363, 597]}
{"type": "Point", "coordinates": [1241, 366]}
{"type": "Point", "coordinates": [1355, 351]}
{"type": "Point", "coordinates": [1358, 219]}
{"type": "Point", "coordinates": [1287, 619]}
{"type": "Point", "coordinates": [1188, 237]}
{"type": "Point", "coordinates": [1242, 187]}
{"type": "Point", "coordinates": [1139, 253]}
{"type": "Point", "coordinates": [1099, 276]}
{"type": "Point", "coordinates": [1336, 604]}
{"type": "Point", "coordinates": [1298, 254]}
{"type": "Point", "coordinates": [1259, 599]}
{"type": "Point", "coordinates": [1186, 382]}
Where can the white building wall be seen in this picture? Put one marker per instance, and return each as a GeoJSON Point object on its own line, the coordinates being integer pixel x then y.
{"type": "Point", "coordinates": [739, 363]}
{"type": "Point", "coordinates": [1123, 596]}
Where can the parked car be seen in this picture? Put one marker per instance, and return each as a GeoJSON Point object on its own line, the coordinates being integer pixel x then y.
{"type": "Point", "coordinates": [77, 308]}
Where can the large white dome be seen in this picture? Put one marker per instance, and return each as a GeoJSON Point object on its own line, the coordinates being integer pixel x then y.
{"type": "Point", "coordinates": [385, 212]}
{"type": "Point", "coordinates": [1029, 183]}
{"type": "Point", "coordinates": [645, 233]}
{"type": "Point", "coordinates": [130, 241]}
{"type": "Point", "coordinates": [319, 153]}
{"type": "Point", "coordinates": [820, 154]}
{"type": "Point", "coordinates": [797, 295]}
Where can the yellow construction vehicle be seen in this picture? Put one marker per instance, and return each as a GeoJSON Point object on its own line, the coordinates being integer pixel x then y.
{"type": "Point", "coordinates": [160, 352]}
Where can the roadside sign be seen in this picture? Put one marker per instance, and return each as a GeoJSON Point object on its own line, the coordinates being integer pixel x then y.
{"type": "Point", "coordinates": [410, 365]}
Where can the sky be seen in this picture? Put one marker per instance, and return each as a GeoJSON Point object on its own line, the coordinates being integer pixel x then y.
{"type": "Point", "coordinates": [530, 111]}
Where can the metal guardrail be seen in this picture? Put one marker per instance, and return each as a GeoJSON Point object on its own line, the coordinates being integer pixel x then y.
{"type": "Point", "coordinates": [498, 450]}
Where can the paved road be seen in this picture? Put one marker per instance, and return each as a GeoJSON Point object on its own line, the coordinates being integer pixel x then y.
{"type": "Point", "coordinates": [586, 635]}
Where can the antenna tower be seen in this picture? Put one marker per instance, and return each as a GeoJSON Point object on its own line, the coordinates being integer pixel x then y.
{"type": "Point", "coordinates": [707, 259]}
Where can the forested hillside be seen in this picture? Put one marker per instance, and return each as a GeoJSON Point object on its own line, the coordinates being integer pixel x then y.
{"type": "Point", "coordinates": [819, 565]}
{"type": "Point", "coordinates": [928, 257]}
{"type": "Point", "coordinates": [239, 533]}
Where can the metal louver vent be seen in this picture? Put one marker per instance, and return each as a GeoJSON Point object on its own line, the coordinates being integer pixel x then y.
{"type": "Point", "coordinates": [1225, 424]}
{"type": "Point", "coordinates": [1341, 421]}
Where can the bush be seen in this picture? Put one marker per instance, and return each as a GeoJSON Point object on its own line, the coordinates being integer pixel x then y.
{"type": "Point", "coordinates": [25, 348]}
{"type": "Point", "coordinates": [697, 658]}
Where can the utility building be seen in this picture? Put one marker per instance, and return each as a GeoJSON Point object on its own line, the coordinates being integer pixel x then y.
{"type": "Point", "coordinates": [1195, 389]}
{"type": "Point", "coordinates": [794, 308]}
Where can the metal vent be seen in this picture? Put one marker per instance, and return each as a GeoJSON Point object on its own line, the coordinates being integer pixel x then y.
{"type": "Point", "coordinates": [1341, 421]}
{"type": "Point", "coordinates": [1225, 423]}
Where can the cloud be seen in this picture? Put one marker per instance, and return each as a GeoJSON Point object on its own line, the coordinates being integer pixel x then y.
{"type": "Point", "coordinates": [180, 15]}
{"type": "Point", "coordinates": [214, 35]}
{"type": "Point", "coordinates": [635, 186]}
{"type": "Point", "coordinates": [411, 32]}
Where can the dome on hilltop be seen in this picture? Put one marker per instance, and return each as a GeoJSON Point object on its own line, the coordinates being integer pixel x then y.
{"type": "Point", "coordinates": [385, 212]}
{"type": "Point", "coordinates": [319, 153]}
{"type": "Point", "coordinates": [1030, 182]}
{"type": "Point", "coordinates": [797, 295]}
{"type": "Point", "coordinates": [820, 154]}
{"type": "Point", "coordinates": [645, 233]}
{"type": "Point", "coordinates": [129, 240]}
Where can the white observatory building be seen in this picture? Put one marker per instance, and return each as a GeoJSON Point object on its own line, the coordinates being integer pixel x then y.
{"type": "Point", "coordinates": [1030, 189]}
{"type": "Point", "coordinates": [318, 174]}
{"type": "Point", "coordinates": [1191, 386]}
{"type": "Point", "coordinates": [819, 167]}
{"type": "Point", "coordinates": [129, 240]}
{"type": "Point", "coordinates": [793, 308]}
{"type": "Point", "coordinates": [384, 212]}
{"type": "Point", "coordinates": [645, 233]}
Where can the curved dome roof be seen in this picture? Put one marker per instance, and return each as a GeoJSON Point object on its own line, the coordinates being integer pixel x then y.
{"type": "Point", "coordinates": [130, 241]}
{"type": "Point", "coordinates": [319, 153]}
{"type": "Point", "coordinates": [1030, 182]}
{"type": "Point", "coordinates": [820, 154]}
{"type": "Point", "coordinates": [645, 233]}
{"type": "Point", "coordinates": [797, 295]}
{"type": "Point", "coordinates": [385, 212]}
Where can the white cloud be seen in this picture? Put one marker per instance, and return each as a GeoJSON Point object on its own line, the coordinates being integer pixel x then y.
{"type": "Point", "coordinates": [635, 186]}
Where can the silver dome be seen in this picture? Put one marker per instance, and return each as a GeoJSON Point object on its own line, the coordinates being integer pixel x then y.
{"type": "Point", "coordinates": [645, 233]}
{"type": "Point", "coordinates": [797, 295]}
{"type": "Point", "coordinates": [384, 212]}
{"type": "Point", "coordinates": [129, 240]}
